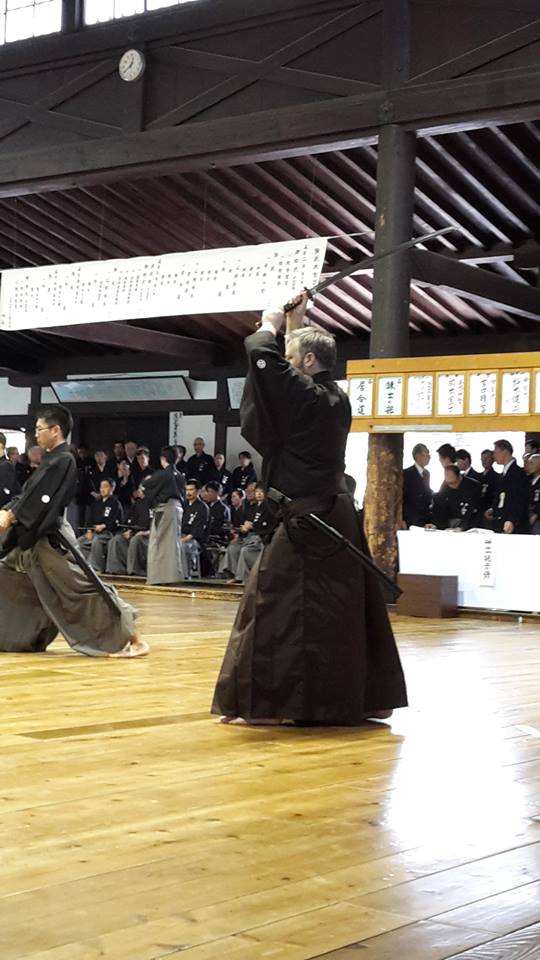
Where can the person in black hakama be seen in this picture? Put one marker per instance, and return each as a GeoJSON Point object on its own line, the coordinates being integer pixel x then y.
{"type": "Point", "coordinates": [43, 591]}
{"type": "Point", "coordinates": [311, 641]}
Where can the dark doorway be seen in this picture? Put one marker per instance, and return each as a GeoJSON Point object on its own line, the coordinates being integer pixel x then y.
{"type": "Point", "coordinates": [100, 433]}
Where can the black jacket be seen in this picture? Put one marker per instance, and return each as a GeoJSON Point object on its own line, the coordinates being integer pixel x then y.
{"type": "Point", "coordinates": [511, 500]}
{"type": "Point", "coordinates": [107, 511]}
{"type": "Point", "coordinates": [46, 494]}
{"type": "Point", "coordinates": [164, 485]}
{"type": "Point", "coordinates": [417, 497]}
{"type": "Point", "coordinates": [201, 467]}
{"type": "Point", "coordinates": [220, 520]}
{"type": "Point", "coordinates": [242, 476]}
{"type": "Point", "coordinates": [196, 521]}
{"type": "Point", "coordinates": [263, 521]}
{"type": "Point", "coordinates": [459, 508]}
{"type": "Point", "coordinates": [298, 424]}
{"type": "Point", "coordinates": [9, 485]}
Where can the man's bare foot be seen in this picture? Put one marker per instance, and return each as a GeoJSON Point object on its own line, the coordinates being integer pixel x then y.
{"type": "Point", "coordinates": [378, 715]}
{"type": "Point", "coordinates": [135, 648]}
{"type": "Point", "coordinates": [242, 722]}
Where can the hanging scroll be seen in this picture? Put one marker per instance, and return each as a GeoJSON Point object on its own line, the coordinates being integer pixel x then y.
{"type": "Point", "coordinates": [390, 396]}
{"type": "Point", "coordinates": [451, 395]}
{"type": "Point", "coordinates": [361, 396]}
{"type": "Point", "coordinates": [515, 392]}
{"type": "Point", "coordinates": [482, 393]}
{"type": "Point", "coordinates": [419, 396]}
{"type": "Point", "coordinates": [230, 280]}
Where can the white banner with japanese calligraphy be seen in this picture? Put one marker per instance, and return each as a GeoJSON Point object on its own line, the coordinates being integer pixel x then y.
{"type": "Point", "coordinates": [451, 395]}
{"type": "Point", "coordinates": [229, 280]}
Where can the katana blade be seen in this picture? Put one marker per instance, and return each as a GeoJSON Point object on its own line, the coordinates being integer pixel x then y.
{"type": "Point", "coordinates": [368, 262]}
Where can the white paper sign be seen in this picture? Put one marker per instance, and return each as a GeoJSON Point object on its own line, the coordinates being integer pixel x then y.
{"type": "Point", "coordinates": [361, 396]}
{"type": "Point", "coordinates": [450, 395]}
{"type": "Point", "coordinates": [390, 397]}
{"type": "Point", "coordinates": [209, 281]}
{"type": "Point", "coordinates": [420, 396]}
{"type": "Point", "coordinates": [482, 393]}
{"type": "Point", "coordinates": [515, 392]}
{"type": "Point", "coordinates": [487, 562]}
{"type": "Point", "coordinates": [175, 427]}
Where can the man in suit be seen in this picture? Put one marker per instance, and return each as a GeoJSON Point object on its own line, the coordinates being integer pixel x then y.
{"type": "Point", "coordinates": [463, 460]}
{"type": "Point", "coordinates": [509, 510]}
{"type": "Point", "coordinates": [489, 481]}
{"type": "Point", "coordinates": [417, 495]}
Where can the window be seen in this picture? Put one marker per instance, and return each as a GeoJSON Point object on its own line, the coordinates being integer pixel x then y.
{"type": "Point", "coordinates": [99, 11]}
{"type": "Point", "coordinates": [20, 19]}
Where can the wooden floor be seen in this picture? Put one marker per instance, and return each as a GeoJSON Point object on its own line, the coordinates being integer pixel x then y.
{"type": "Point", "coordinates": [134, 827]}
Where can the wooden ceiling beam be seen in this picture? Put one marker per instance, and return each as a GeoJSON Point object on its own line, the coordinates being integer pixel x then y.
{"type": "Point", "coordinates": [186, 350]}
{"type": "Point", "coordinates": [435, 269]}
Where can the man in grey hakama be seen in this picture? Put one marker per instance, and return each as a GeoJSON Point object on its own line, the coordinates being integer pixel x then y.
{"type": "Point", "coordinates": [163, 492]}
{"type": "Point", "coordinates": [43, 590]}
{"type": "Point", "coordinates": [312, 640]}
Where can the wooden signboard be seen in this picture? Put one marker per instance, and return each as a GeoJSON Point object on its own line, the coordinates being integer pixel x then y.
{"type": "Point", "coordinates": [499, 391]}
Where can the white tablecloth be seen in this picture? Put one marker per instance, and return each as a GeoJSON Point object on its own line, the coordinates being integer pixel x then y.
{"type": "Point", "coordinates": [495, 571]}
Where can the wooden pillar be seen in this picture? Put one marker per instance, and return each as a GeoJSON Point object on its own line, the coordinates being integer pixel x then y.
{"type": "Point", "coordinates": [390, 333]}
{"type": "Point", "coordinates": [220, 418]}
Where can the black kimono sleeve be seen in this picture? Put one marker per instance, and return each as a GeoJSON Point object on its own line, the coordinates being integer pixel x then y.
{"type": "Point", "coordinates": [272, 394]}
{"type": "Point", "coordinates": [44, 498]}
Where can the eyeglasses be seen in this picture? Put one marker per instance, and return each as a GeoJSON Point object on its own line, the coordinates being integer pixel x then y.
{"type": "Point", "coordinates": [41, 429]}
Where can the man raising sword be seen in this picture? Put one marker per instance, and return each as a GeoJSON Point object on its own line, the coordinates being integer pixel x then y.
{"type": "Point", "coordinates": [46, 585]}
{"type": "Point", "coordinates": [312, 641]}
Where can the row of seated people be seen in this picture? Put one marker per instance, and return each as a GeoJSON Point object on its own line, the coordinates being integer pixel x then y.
{"type": "Point", "coordinates": [129, 465]}
{"type": "Point", "coordinates": [505, 502]}
{"type": "Point", "coordinates": [172, 530]}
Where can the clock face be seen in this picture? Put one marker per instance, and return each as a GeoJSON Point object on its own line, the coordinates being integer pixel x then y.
{"type": "Point", "coordinates": [131, 66]}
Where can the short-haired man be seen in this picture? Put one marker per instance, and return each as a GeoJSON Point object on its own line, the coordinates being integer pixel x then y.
{"type": "Point", "coordinates": [200, 466]}
{"type": "Point", "coordinates": [244, 473]}
{"type": "Point", "coordinates": [417, 494]}
{"type": "Point", "coordinates": [457, 506]}
{"type": "Point", "coordinates": [219, 529]}
{"type": "Point", "coordinates": [164, 492]}
{"type": "Point", "coordinates": [141, 469]}
{"type": "Point", "coordinates": [509, 511]}
{"type": "Point", "coordinates": [127, 552]}
{"type": "Point", "coordinates": [195, 525]}
{"type": "Point", "coordinates": [531, 447]}
{"type": "Point", "coordinates": [9, 485]}
{"type": "Point", "coordinates": [464, 462]}
{"type": "Point", "coordinates": [311, 640]}
{"type": "Point", "coordinates": [43, 589]}
{"type": "Point", "coordinates": [447, 454]}
{"type": "Point", "coordinates": [105, 518]}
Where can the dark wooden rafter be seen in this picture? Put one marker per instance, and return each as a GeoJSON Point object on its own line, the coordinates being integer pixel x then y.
{"type": "Point", "coordinates": [187, 350]}
{"type": "Point", "coordinates": [475, 283]}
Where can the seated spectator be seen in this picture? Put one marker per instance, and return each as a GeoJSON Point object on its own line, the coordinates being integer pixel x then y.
{"type": "Point", "coordinates": [223, 476]}
{"type": "Point", "coordinates": [118, 454]}
{"type": "Point", "coordinates": [219, 530]}
{"type": "Point", "coordinates": [141, 469]}
{"type": "Point", "coordinates": [28, 462]}
{"type": "Point", "coordinates": [244, 473]}
{"type": "Point", "coordinates": [124, 484]}
{"type": "Point", "coordinates": [257, 530]}
{"type": "Point", "coordinates": [463, 461]}
{"type": "Point", "coordinates": [195, 524]}
{"type": "Point", "coordinates": [97, 470]}
{"type": "Point", "coordinates": [457, 507]}
{"type": "Point", "coordinates": [250, 494]}
{"type": "Point", "coordinates": [9, 485]}
{"type": "Point", "coordinates": [238, 509]}
{"type": "Point", "coordinates": [200, 466]}
{"type": "Point", "coordinates": [510, 508]}
{"type": "Point", "coordinates": [532, 469]}
{"type": "Point", "coordinates": [127, 552]}
{"type": "Point", "coordinates": [163, 493]}
{"type": "Point", "coordinates": [131, 448]}
{"type": "Point", "coordinates": [417, 494]}
{"type": "Point", "coordinates": [105, 517]}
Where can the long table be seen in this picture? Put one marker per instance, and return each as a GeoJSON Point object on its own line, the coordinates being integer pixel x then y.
{"type": "Point", "coordinates": [495, 571]}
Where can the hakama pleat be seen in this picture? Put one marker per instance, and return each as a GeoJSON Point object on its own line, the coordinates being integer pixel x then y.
{"type": "Point", "coordinates": [164, 553]}
{"type": "Point", "coordinates": [43, 592]}
{"type": "Point", "coordinates": [311, 641]}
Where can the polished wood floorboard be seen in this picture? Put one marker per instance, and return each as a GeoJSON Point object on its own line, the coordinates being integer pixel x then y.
{"type": "Point", "coordinates": [135, 827]}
